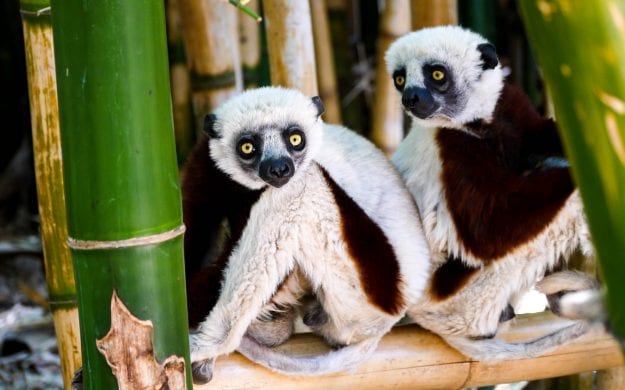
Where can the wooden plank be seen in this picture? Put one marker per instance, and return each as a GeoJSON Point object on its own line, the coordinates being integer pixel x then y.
{"type": "Point", "coordinates": [410, 357]}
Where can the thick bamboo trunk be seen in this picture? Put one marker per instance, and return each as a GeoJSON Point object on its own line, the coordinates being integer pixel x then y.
{"type": "Point", "coordinates": [326, 76]}
{"type": "Point", "coordinates": [49, 174]}
{"type": "Point", "coordinates": [290, 45]}
{"type": "Point", "coordinates": [388, 117]}
{"type": "Point", "coordinates": [122, 189]}
{"type": "Point", "coordinates": [587, 94]}
{"type": "Point", "coordinates": [428, 13]}
{"type": "Point", "coordinates": [249, 37]}
{"type": "Point", "coordinates": [212, 46]}
{"type": "Point", "coordinates": [180, 82]}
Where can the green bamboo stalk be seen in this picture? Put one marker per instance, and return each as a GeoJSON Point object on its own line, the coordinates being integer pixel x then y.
{"type": "Point", "coordinates": [579, 45]}
{"type": "Point", "coordinates": [44, 111]}
{"type": "Point", "coordinates": [121, 179]}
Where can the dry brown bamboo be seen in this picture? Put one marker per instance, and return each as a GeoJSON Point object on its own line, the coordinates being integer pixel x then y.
{"type": "Point", "coordinates": [611, 379]}
{"type": "Point", "coordinates": [249, 38]}
{"type": "Point", "coordinates": [212, 47]}
{"type": "Point", "coordinates": [180, 82]}
{"type": "Point", "coordinates": [388, 118]}
{"type": "Point", "coordinates": [410, 357]}
{"type": "Point", "coordinates": [428, 13]}
{"type": "Point", "coordinates": [290, 45]}
{"type": "Point", "coordinates": [49, 175]}
{"type": "Point", "coordinates": [324, 56]}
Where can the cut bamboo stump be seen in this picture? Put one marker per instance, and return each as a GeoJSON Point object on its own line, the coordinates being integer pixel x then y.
{"type": "Point", "coordinates": [428, 13]}
{"type": "Point", "coordinates": [49, 175]}
{"type": "Point", "coordinates": [290, 45]}
{"type": "Point", "coordinates": [326, 76]}
{"type": "Point", "coordinates": [212, 47]}
{"type": "Point", "coordinates": [410, 357]}
{"type": "Point", "coordinates": [388, 118]}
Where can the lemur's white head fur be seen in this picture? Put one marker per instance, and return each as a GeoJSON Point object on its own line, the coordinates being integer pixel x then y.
{"type": "Point", "coordinates": [448, 76]}
{"type": "Point", "coordinates": [265, 136]}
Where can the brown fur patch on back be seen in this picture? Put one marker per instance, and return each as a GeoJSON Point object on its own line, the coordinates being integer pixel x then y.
{"type": "Point", "coordinates": [369, 248]}
{"type": "Point", "coordinates": [209, 197]}
{"type": "Point", "coordinates": [450, 278]}
{"type": "Point", "coordinates": [495, 202]}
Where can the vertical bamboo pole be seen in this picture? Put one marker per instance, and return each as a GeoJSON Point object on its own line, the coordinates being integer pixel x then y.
{"type": "Point", "coordinates": [388, 117]}
{"type": "Point", "coordinates": [249, 38]}
{"type": "Point", "coordinates": [122, 186]}
{"type": "Point", "coordinates": [212, 44]}
{"type": "Point", "coordinates": [180, 82]}
{"type": "Point", "coordinates": [49, 174]}
{"type": "Point", "coordinates": [326, 76]}
{"type": "Point", "coordinates": [611, 379]}
{"type": "Point", "coordinates": [428, 13]}
{"type": "Point", "coordinates": [290, 45]}
{"type": "Point", "coordinates": [588, 96]}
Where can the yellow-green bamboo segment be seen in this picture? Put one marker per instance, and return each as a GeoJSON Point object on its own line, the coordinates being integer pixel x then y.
{"type": "Point", "coordinates": [212, 46]}
{"type": "Point", "coordinates": [410, 357]}
{"type": "Point", "coordinates": [324, 56]}
{"type": "Point", "coordinates": [588, 96]}
{"type": "Point", "coordinates": [428, 13]}
{"type": "Point", "coordinates": [249, 38]}
{"type": "Point", "coordinates": [180, 82]}
{"type": "Point", "coordinates": [49, 174]}
{"type": "Point", "coordinates": [388, 118]}
{"type": "Point", "coordinates": [290, 45]}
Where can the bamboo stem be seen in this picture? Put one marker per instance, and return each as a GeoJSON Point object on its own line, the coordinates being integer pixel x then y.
{"type": "Point", "coordinates": [388, 117]}
{"type": "Point", "coordinates": [588, 100]}
{"type": "Point", "coordinates": [290, 45]}
{"type": "Point", "coordinates": [249, 38]}
{"type": "Point", "coordinates": [429, 13]}
{"type": "Point", "coordinates": [180, 82]}
{"type": "Point", "coordinates": [121, 177]}
{"type": "Point", "coordinates": [212, 45]}
{"type": "Point", "coordinates": [49, 175]}
{"type": "Point", "coordinates": [412, 358]}
{"type": "Point", "coordinates": [326, 76]}
{"type": "Point", "coordinates": [611, 379]}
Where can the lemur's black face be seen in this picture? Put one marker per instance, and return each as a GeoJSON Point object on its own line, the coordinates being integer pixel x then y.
{"type": "Point", "coordinates": [437, 95]}
{"type": "Point", "coordinates": [271, 154]}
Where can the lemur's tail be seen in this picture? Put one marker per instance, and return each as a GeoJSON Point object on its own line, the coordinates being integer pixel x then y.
{"type": "Point", "coordinates": [343, 359]}
{"type": "Point", "coordinates": [495, 349]}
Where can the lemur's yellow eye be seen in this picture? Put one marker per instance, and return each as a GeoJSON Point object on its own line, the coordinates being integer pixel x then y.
{"type": "Point", "coordinates": [295, 139]}
{"type": "Point", "coordinates": [247, 148]}
{"type": "Point", "coordinates": [438, 75]}
{"type": "Point", "coordinates": [400, 80]}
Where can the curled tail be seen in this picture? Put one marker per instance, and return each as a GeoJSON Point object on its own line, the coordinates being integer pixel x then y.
{"type": "Point", "coordinates": [496, 350]}
{"type": "Point", "coordinates": [343, 359]}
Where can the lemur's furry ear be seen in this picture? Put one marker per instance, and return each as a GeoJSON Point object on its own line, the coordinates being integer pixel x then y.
{"type": "Point", "coordinates": [209, 125]}
{"type": "Point", "coordinates": [319, 104]}
{"type": "Point", "coordinates": [489, 55]}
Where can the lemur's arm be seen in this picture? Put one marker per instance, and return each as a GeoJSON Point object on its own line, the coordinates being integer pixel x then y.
{"type": "Point", "coordinates": [250, 281]}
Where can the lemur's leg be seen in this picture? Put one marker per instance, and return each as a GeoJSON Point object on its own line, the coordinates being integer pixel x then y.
{"type": "Point", "coordinates": [559, 284]}
{"type": "Point", "coordinates": [250, 282]}
{"type": "Point", "coordinates": [275, 330]}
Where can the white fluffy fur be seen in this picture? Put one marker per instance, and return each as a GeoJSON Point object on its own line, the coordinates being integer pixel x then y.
{"type": "Point", "coordinates": [474, 311]}
{"type": "Point", "coordinates": [298, 228]}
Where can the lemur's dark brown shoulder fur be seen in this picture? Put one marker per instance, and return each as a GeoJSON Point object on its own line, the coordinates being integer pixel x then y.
{"type": "Point", "coordinates": [209, 197]}
{"type": "Point", "coordinates": [498, 202]}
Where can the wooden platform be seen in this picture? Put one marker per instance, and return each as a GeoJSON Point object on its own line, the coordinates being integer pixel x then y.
{"type": "Point", "coordinates": [410, 357]}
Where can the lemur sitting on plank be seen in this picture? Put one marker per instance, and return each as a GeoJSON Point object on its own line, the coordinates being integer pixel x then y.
{"type": "Point", "coordinates": [497, 215]}
{"type": "Point", "coordinates": [313, 209]}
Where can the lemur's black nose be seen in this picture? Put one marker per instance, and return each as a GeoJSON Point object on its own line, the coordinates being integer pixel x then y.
{"type": "Point", "coordinates": [419, 101]}
{"type": "Point", "coordinates": [276, 171]}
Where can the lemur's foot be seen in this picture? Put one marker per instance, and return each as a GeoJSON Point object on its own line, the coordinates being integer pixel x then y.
{"type": "Point", "coordinates": [202, 371]}
{"type": "Point", "coordinates": [563, 284]}
{"type": "Point", "coordinates": [274, 331]}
